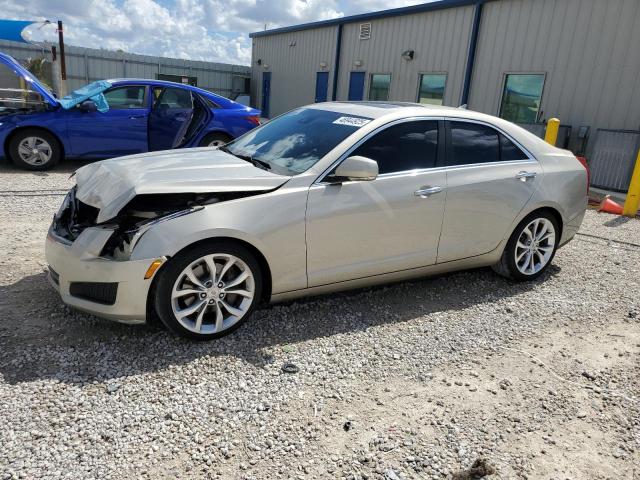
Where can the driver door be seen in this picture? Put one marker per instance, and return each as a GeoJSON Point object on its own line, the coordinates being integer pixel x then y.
{"type": "Point", "coordinates": [170, 117]}
{"type": "Point", "coordinates": [357, 229]}
{"type": "Point", "coordinates": [120, 131]}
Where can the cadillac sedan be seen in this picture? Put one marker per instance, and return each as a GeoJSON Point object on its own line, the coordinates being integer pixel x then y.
{"type": "Point", "coordinates": [324, 198]}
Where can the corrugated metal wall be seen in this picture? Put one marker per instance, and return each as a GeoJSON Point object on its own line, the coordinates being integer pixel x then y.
{"type": "Point", "coordinates": [86, 65]}
{"type": "Point", "coordinates": [440, 40]}
{"type": "Point", "coordinates": [588, 49]}
{"type": "Point", "coordinates": [294, 59]}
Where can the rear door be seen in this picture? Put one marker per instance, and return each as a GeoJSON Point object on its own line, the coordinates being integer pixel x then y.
{"type": "Point", "coordinates": [170, 117]}
{"type": "Point", "coordinates": [120, 131]}
{"type": "Point", "coordinates": [489, 180]}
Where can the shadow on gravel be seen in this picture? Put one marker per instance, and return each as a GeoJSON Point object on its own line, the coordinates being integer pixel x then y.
{"type": "Point", "coordinates": [42, 339]}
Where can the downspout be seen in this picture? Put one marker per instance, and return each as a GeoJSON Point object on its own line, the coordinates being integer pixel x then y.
{"type": "Point", "coordinates": [336, 65]}
{"type": "Point", "coordinates": [471, 56]}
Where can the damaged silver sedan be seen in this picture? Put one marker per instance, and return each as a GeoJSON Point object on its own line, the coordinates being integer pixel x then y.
{"type": "Point", "coordinates": [324, 198]}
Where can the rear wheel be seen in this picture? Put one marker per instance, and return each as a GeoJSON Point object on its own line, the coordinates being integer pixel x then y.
{"type": "Point", "coordinates": [215, 139]}
{"type": "Point", "coordinates": [208, 291]}
{"type": "Point", "coordinates": [530, 248]}
{"type": "Point", "coordinates": [34, 149]}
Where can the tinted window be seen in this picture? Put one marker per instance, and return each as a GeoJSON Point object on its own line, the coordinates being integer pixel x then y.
{"type": "Point", "coordinates": [379, 87]}
{"type": "Point", "coordinates": [509, 150]}
{"type": "Point", "coordinates": [406, 146]}
{"type": "Point", "coordinates": [172, 98]}
{"type": "Point", "coordinates": [125, 97]}
{"type": "Point", "coordinates": [431, 90]}
{"type": "Point", "coordinates": [521, 97]}
{"type": "Point", "coordinates": [294, 142]}
{"type": "Point", "coordinates": [473, 143]}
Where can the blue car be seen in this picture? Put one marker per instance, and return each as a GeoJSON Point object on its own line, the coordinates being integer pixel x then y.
{"type": "Point", "coordinates": [113, 118]}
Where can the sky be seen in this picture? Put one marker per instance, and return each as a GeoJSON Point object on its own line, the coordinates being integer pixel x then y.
{"type": "Point", "coordinates": [212, 30]}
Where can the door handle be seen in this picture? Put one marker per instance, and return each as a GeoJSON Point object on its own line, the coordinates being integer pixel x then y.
{"type": "Point", "coordinates": [427, 191]}
{"type": "Point", "coordinates": [523, 175]}
{"type": "Point", "coordinates": [135, 117]}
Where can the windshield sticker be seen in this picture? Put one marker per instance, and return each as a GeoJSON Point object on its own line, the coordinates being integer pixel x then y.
{"type": "Point", "coordinates": [352, 121]}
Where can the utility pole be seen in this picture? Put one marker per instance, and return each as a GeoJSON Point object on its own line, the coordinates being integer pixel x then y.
{"type": "Point", "coordinates": [63, 67]}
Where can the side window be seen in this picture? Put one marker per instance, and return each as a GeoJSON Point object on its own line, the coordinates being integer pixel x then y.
{"type": "Point", "coordinates": [473, 143]}
{"type": "Point", "coordinates": [402, 147]}
{"type": "Point", "coordinates": [172, 98]}
{"type": "Point", "coordinates": [125, 97]}
{"type": "Point", "coordinates": [510, 151]}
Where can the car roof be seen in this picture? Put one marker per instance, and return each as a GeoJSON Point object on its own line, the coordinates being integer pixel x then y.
{"type": "Point", "coordinates": [164, 83]}
{"type": "Point", "coordinates": [372, 109]}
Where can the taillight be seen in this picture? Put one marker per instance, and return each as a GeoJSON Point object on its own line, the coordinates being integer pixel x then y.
{"type": "Point", "coordinates": [254, 119]}
{"type": "Point", "coordinates": [584, 163]}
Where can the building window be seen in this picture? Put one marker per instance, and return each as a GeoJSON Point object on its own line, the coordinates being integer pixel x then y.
{"type": "Point", "coordinates": [431, 88]}
{"type": "Point", "coordinates": [521, 97]}
{"type": "Point", "coordinates": [379, 87]}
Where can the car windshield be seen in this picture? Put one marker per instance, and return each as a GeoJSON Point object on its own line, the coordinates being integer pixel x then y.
{"type": "Point", "coordinates": [294, 142]}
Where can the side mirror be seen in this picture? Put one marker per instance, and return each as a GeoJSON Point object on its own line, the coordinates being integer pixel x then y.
{"type": "Point", "coordinates": [88, 106]}
{"type": "Point", "coordinates": [357, 168]}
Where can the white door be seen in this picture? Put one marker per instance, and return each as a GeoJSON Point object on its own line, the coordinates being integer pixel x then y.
{"type": "Point", "coordinates": [489, 181]}
{"type": "Point", "coordinates": [364, 228]}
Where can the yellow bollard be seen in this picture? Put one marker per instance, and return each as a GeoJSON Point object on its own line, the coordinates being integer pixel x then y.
{"type": "Point", "coordinates": [633, 195]}
{"type": "Point", "coordinates": [551, 136]}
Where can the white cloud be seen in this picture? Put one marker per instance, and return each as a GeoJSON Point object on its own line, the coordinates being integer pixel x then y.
{"type": "Point", "coordinates": [212, 30]}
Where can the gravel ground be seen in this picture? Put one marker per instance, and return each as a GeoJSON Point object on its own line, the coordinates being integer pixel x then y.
{"type": "Point", "coordinates": [414, 380]}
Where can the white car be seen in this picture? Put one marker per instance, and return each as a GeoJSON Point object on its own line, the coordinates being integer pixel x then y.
{"type": "Point", "coordinates": [324, 198]}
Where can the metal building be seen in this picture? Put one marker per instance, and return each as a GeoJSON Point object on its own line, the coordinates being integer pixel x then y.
{"type": "Point", "coordinates": [86, 65]}
{"type": "Point", "coordinates": [524, 60]}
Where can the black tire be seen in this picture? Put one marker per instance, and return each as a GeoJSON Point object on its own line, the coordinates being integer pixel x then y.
{"type": "Point", "coordinates": [170, 273]}
{"type": "Point", "coordinates": [507, 266]}
{"type": "Point", "coordinates": [219, 137]}
{"type": "Point", "coordinates": [42, 135]}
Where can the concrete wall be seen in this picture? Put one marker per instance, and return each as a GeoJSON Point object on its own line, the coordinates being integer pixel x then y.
{"type": "Point", "coordinates": [86, 65]}
{"type": "Point", "coordinates": [589, 51]}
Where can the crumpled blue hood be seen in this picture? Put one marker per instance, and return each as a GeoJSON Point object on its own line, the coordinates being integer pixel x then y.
{"type": "Point", "coordinates": [93, 91]}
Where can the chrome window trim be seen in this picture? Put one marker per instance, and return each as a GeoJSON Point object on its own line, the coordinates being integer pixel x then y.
{"type": "Point", "coordinates": [530, 157]}
{"type": "Point", "coordinates": [345, 155]}
{"type": "Point", "coordinates": [495, 127]}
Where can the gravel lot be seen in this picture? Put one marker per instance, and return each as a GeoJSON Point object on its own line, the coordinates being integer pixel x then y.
{"type": "Point", "coordinates": [414, 380]}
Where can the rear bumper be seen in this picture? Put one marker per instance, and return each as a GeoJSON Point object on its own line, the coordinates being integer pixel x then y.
{"type": "Point", "coordinates": [570, 228]}
{"type": "Point", "coordinates": [79, 262]}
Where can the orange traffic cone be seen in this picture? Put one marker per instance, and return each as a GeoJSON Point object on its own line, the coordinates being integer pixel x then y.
{"type": "Point", "coordinates": [609, 206]}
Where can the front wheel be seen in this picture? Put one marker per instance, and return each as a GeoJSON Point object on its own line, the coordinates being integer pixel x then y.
{"type": "Point", "coordinates": [34, 149]}
{"type": "Point", "coordinates": [530, 248]}
{"type": "Point", "coordinates": [208, 291]}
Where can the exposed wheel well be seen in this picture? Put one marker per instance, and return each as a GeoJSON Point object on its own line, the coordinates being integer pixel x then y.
{"type": "Point", "coordinates": [15, 131]}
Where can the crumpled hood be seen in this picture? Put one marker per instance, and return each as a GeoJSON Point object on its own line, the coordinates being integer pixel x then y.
{"type": "Point", "coordinates": [111, 184]}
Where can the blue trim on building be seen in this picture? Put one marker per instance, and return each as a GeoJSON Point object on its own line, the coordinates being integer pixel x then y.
{"type": "Point", "coordinates": [471, 55]}
{"type": "Point", "coordinates": [393, 12]}
{"type": "Point", "coordinates": [336, 65]}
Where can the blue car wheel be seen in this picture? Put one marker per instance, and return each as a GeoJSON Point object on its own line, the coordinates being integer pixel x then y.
{"type": "Point", "coordinates": [215, 139]}
{"type": "Point", "coordinates": [34, 149]}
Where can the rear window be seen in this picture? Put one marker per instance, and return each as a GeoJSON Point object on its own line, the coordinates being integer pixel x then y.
{"type": "Point", "coordinates": [294, 142]}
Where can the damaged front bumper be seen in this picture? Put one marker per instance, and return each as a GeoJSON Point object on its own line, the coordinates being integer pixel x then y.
{"type": "Point", "coordinates": [108, 288]}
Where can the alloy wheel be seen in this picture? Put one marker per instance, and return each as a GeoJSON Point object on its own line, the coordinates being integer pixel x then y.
{"type": "Point", "coordinates": [35, 151]}
{"type": "Point", "coordinates": [535, 246]}
{"type": "Point", "coordinates": [213, 293]}
{"type": "Point", "coordinates": [217, 143]}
